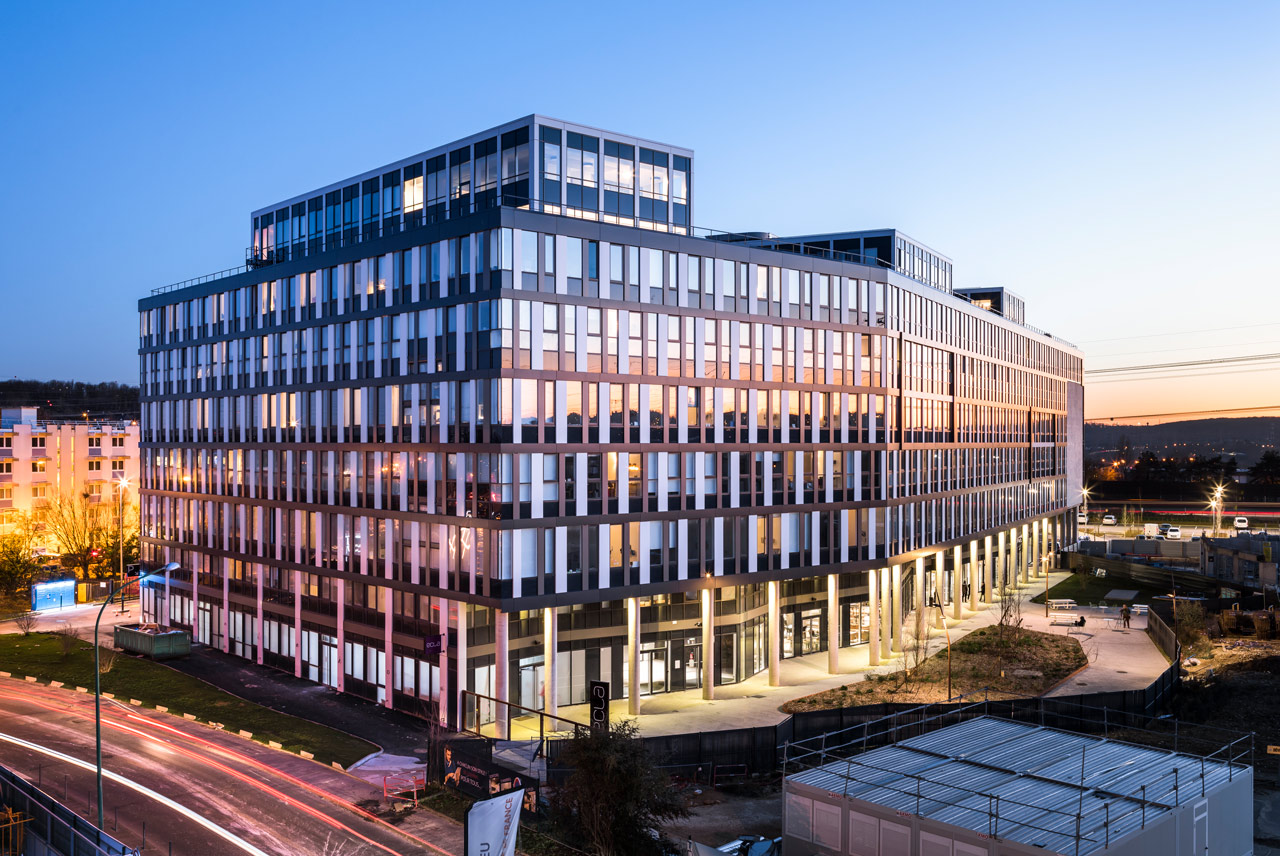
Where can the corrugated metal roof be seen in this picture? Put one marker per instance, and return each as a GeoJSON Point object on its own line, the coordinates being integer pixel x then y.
{"type": "Point", "coordinates": [1023, 782]}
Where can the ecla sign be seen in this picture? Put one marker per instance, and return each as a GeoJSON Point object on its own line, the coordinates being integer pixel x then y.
{"type": "Point", "coordinates": [598, 695]}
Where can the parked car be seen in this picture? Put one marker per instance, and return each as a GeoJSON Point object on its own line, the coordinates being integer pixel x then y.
{"type": "Point", "coordinates": [1242, 523]}
{"type": "Point", "coordinates": [1163, 528]}
{"type": "Point", "coordinates": [1082, 518]}
{"type": "Point", "coordinates": [1173, 533]}
{"type": "Point", "coordinates": [1108, 520]}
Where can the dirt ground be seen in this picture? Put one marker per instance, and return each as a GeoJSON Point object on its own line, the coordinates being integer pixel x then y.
{"type": "Point", "coordinates": [1015, 663]}
{"type": "Point", "coordinates": [718, 817]}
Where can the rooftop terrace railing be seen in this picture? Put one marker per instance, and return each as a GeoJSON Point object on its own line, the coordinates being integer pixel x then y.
{"type": "Point", "coordinates": [313, 245]}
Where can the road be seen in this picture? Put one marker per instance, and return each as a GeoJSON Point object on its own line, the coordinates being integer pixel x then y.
{"type": "Point", "coordinates": [224, 798]}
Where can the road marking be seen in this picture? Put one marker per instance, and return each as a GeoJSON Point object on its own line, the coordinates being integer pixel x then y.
{"type": "Point", "coordinates": [142, 789]}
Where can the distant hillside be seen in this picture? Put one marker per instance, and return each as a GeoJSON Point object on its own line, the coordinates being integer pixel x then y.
{"type": "Point", "coordinates": [1245, 438]}
{"type": "Point", "coordinates": [69, 399]}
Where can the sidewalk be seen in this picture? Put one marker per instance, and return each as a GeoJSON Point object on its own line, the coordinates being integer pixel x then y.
{"type": "Point", "coordinates": [1118, 661]}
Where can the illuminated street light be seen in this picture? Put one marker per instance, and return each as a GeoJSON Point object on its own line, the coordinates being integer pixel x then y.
{"type": "Point", "coordinates": [97, 678]}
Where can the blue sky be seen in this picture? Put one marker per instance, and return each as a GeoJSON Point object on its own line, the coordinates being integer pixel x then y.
{"type": "Point", "coordinates": [1113, 163]}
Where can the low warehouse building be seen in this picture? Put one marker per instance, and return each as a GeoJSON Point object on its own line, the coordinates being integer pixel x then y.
{"type": "Point", "coordinates": [991, 787]}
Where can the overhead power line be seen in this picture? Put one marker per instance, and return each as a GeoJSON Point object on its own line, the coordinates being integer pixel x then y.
{"type": "Point", "coordinates": [1219, 361]}
{"type": "Point", "coordinates": [1274, 407]}
{"type": "Point", "coordinates": [1179, 333]}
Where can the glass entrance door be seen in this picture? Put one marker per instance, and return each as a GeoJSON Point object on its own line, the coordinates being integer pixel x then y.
{"type": "Point", "coordinates": [811, 641]}
{"type": "Point", "coordinates": [653, 671]}
{"type": "Point", "coordinates": [532, 685]}
{"type": "Point", "coordinates": [692, 662]}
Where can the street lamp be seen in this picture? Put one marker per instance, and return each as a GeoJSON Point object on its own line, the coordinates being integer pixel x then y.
{"type": "Point", "coordinates": [121, 487]}
{"type": "Point", "coordinates": [97, 679]}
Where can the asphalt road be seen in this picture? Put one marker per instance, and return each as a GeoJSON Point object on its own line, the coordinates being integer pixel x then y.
{"type": "Point", "coordinates": [225, 800]}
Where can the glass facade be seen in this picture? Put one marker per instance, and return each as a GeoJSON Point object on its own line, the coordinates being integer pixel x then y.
{"type": "Point", "coordinates": [508, 408]}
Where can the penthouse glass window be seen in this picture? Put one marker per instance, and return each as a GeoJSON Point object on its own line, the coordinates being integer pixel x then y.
{"type": "Point", "coordinates": [581, 171]}
{"type": "Point", "coordinates": [679, 190]}
{"type": "Point", "coordinates": [413, 195]}
{"type": "Point", "coordinates": [653, 186]}
{"type": "Point", "coordinates": [391, 199]}
{"type": "Point", "coordinates": [370, 207]}
{"type": "Point", "coordinates": [550, 166]}
{"type": "Point", "coordinates": [515, 167]}
{"type": "Point", "coordinates": [485, 168]}
{"type": "Point", "coordinates": [459, 181]}
{"type": "Point", "coordinates": [619, 182]}
{"type": "Point", "coordinates": [437, 188]}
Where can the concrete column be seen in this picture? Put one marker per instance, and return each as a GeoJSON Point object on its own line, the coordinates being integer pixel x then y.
{"type": "Point", "coordinates": [973, 576]}
{"type": "Point", "coordinates": [501, 683]}
{"type": "Point", "coordinates": [633, 656]}
{"type": "Point", "coordinates": [919, 600]}
{"type": "Point", "coordinates": [939, 586]}
{"type": "Point", "coordinates": [775, 632]}
{"type": "Point", "coordinates": [1025, 554]}
{"type": "Point", "coordinates": [988, 564]}
{"type": "Point", "coordinates": [999, 567]}
{"type": "Point", "coordinates": [957, 582]}
{"type": "Point", "coordinates": [873, 608]}
{"type": "Point", "coordinates": [886, 613]}
{"type": "Point", "coordinates": [1035, 549]}
{"type": "Point", "coordinates": [460, 654]}
{"type": "Point", "coordinates": [708, 644]}
{"type": "Point", "coordinates": [550, 635]}
{"type": "Point", "coordinates": [895, 591]}
{"type": "Point", "coordinates": [833, 624]}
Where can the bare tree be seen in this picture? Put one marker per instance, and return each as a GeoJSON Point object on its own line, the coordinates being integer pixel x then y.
{"type": "Point", "coordinates": [107, 657]}
{"type": "Point", "coordinates": [68, 639]}
{"type": "Point", "coordinates": [26, 622]}
{"type": "Point", "coordinates": [78, 523]}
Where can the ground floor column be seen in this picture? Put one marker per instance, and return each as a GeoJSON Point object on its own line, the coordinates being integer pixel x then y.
{"type": "Point", "coordinates": [708, 644]}
{"type": "Point", "coordinates": [873, 609]}
{"type": "Point", "coordinates": [957, 582]}
{"type": "Point", "coordinates": [297, 624]}
{"type": "Point", "coordinates": [550, 681]}
{"type": "Point", "coordinates": [895, 592]}
{"type": "Point", "coordinates": [775, 632]}
{"type": "Point", "coordinates": [1024, 560]}
{"type": "Point", "coordinates": [461, 684]}
{"type": "Point", "coordinates": [939, 587]}
{"type": "Point", "coordinates": [973, 576]}
{"type": "Point", "coordinates": [988, 569]}
{"type": "Point", "coordinates": [1037, 548]}
{"type": "Point", "coordinates": [999, 567]}
{"type": "Point", "coordinates": [833, 624]}
{"type": "Point", "coordinates": [920, 599]}
{"type": "Point", "coordinates": [501, 683]}
{"type": "Point", "coordinates": [886, 613]}
{"type": "Point", "coordinates": [633, 656]}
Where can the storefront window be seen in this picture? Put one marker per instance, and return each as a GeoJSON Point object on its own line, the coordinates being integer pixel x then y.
{"type": "Point", "coordinates": [859, 623]}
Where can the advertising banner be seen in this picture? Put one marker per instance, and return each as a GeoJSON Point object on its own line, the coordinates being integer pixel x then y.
{"type": "Point", "coordinates": [491, 826]}
{"type": "Point", "coordinates": [478, 778]}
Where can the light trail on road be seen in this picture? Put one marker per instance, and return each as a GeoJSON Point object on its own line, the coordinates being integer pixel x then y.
{"type": "Point", "coordinates": [142, 789]}
{"type": "Point", "coordinates": [109, 720]}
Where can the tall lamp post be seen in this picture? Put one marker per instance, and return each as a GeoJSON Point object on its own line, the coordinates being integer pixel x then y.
{"type": "Point", "coordinates": [121, 487]}
{"type": "Point", "coordinates": [97, 679]}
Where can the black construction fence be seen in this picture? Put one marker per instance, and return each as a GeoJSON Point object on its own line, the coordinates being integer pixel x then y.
{"type": "Point", "coordinates": [702, 756]}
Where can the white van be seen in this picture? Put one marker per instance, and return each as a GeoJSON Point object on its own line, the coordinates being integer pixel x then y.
{"type": "Point", "coordinates": [1242, 523]}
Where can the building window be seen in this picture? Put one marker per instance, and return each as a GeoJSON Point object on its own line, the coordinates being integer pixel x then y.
{"type": "Point", "coordinates": [37, 441]}
{"type": "Point", "coordinates": [550, 168]}
{"type": "Point", "coordinates": [95, 466]}
{"type": "Point", "coordinates": [37, 466]}
{"type": "Point", "coordinates": [117, 442]}
{"type": "Point", "coordinates": [653, 186]}
{"type": "Point", "coordinates": [515, 167]}
{"type": "Point", "coordinates": [95, 442]}
{"type": "Point", "coordinates": [6, 468]}
{"type": "Point", "coordinates": [41, 491]}
{"type": "Point", "coordinates": [619, 182]}
{"type": "Point", "coordinates": [6, 493]}
{"type": "Point", "coordinates": [581, 172]}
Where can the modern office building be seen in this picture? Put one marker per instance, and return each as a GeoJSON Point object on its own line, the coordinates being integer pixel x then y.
{"type": "Point", "coordinates": [41, 459]}
{"type": "Point", "coordinates": [497, 420]}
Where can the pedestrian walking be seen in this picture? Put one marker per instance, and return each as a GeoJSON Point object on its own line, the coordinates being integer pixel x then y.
{"type": "Point", "coordinates": [1124, 615]}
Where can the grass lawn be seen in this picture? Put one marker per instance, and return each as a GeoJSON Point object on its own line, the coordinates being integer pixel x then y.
{"type": "Point", "coordinates": [1013, 664]}
{"type": "Point", "coordinates": [40, 655]}
{"type": "Point", "coordinates": [1088, 589]}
